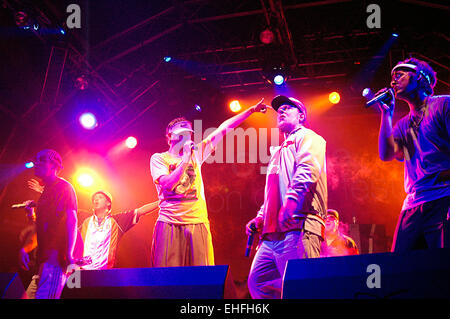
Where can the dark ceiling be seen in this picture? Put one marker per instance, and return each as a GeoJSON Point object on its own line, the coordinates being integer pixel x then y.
{"type": "Point", "coordinates": [215, 48]}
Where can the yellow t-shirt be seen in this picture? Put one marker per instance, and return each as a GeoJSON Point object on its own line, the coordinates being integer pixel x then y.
{"type": "Point", "coordinates": [185, 203]}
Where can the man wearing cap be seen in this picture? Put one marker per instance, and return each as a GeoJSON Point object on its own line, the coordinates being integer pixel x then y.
{"type": "Point", "coordinates": [56, 226]}
{"type": "Point", "coordinates": [102, 231]}
{"type": "Point", "coordinates": [291, 220]}
{"type": "Point", "coordinates": [182, 235]}
{"type": "Point", "coordinates": [336, 243]}
{"type": "Point", "coordinates": [421, 139]}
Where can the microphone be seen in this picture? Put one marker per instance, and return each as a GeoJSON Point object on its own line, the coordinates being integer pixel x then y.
{"type": "Point", "coordinates": [23, 205]}
{"type": "Point", "coordinates": [250, 241]}
{"type": "Point", "coordinates": [384, 97]}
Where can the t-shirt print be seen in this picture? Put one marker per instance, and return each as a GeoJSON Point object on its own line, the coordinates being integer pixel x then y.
{"type": "Point", "coordinates": [186, 184]}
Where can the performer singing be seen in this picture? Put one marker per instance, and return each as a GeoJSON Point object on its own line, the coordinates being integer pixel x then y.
{"type": "Point", "coordinates": [102, 231]}
{"type": "Point", "coordinates": [56, 226]}
{"type": "Point", "coordinates": [422, 140]}
{"type": "Point", "coordinates": [291, 219]}
{"type": "Point", "coordinates": [182, 235]}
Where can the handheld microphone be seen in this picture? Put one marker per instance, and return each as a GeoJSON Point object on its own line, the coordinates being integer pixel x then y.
{"type": "Point", "coordinates": [384, 97]}
{"type": "Point", "coordinates": [250, 241]}
{"type": "Point", "coordinates": [23, 205]}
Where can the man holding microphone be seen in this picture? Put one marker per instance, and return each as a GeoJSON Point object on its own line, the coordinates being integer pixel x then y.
{"type": "Point", "coordinates": [182, 235]}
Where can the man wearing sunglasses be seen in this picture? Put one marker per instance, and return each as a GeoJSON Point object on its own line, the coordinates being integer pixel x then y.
{"type": "Point", "coordinates": [56, 226]}
{"type": "Point", "coordinates": [420, 139]}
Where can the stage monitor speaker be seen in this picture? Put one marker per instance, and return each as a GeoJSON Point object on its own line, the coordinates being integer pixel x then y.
{"type": "Point", "coordinates": [197, 282]}
{"type": "Point", "coordinates": [11, 286]}
{"type": "Point", "coordinates": [416, 274]}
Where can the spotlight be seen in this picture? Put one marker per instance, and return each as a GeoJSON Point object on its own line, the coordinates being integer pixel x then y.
{"type": "Point", "coordinates": [278, 79]}
{"type": "Point", "coordinates": [334, 97]}
{"type": "Point", "coordinates": [36, 27]}
{"type": "Point", "coordinates": [395, 35]}
{"type": "Point", "coordinates": [22, 19]}
{"type": "Point", "coordinates": [167, 59]}
{"type": "Point", "coordinates": [131, 142]}
{"type": "Point", "coordinates": [82, 82]}
{"type": "Point", "coordinates": [198, 108]}
{"type": "Point", "coordinates": [85, 180]}
{"type": "Point", "coordinates": [88, 121]}
{"type": "Point", "coordinates": [266, 36]}
{"type": "Point", "coordinates": [29, 165]}
{"type": "Point", "coordinates": [62, 31]}
{"type": "Point", "coordinates": [235, 106]}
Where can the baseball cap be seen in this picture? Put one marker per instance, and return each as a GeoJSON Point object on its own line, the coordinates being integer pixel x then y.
{"type": "Point", "coordinates": [52, 155]}
{"type": "Point", "coordinates": [105, 193]}
{"type": "Point", "coordinates": [280, 100]}
{"type": "Point", "coordinates": [333, 212]}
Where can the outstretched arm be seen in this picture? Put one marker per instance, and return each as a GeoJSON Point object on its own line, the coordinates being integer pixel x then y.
{"type": "Point", "coordinates": [147, 209]}
{"type": "Point", "coordinates": [235, 121]}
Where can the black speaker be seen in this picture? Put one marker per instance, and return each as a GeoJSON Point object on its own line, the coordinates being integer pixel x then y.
{"type": "Point", "coordinates": [197, 282]}
{"type": "Point", "coordinates": [11, 286]}
{"type": "Point", "coordinates": [416, 274]}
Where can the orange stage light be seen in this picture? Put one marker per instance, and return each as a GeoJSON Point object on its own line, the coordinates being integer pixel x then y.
{"type": "Point", "coordinates": [235, 106]}
{"type": "Point", "coordinates": [334, 97]}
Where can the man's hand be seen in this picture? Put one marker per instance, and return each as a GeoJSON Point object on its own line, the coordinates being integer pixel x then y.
{"type": "Point", "coordinates": [30, 210]}
{"type": "Point", "coordinates": [260, 107]}
{"type": "Point", "coordinates": [24, 259]}
{"type": "Point", "coordinates": [255, 223]}
{"type": "Point", "coordinates": [286, 214]}
{"type": "Point", "coordinates": [387, 109]}
{"type": "Point", "coordinates": [187, 151]}
{"type": "Point", "coordinates": [35, 185]}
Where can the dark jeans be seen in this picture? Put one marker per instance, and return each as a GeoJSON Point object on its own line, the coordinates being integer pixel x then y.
{"type": "Point", "coordinates": [423, 226]}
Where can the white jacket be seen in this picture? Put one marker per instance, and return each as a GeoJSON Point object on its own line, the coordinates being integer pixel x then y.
{"type": "Point", "coordinates": [301, 170]}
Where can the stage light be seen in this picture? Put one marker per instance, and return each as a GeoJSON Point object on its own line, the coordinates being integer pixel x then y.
{"type": "Point", "coordinates": [62, 31]}
{"type": "Point", "coordinates": [167, 59]}
{"type": "Point", "coordinates": [29, 165]}
{"type": "Point", "coordinates": [22, 19]}
{"type": "Point", "coordinates": [198, 108]}
{"type": "Point", "coordinates": [36, 27]}
{"type": "Point", "coordinates": [235, 106]}
{"type": "Point", "coordinates": [334, 97]}
{"type": "Point", "coordinates": [85, 180]}
{"type": "Point", "coordinates": [131, 142]}
{"type": "Point", "coordinates": [82, 82]}
{"type": "Point", "coordinates": [395, 35]}
{"type": "Point", "coordinates": [266, 36]}
{"type": "Point", "coordinates": [88, 121]}
{"type": "Point", "coordinates": [278, 79]}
